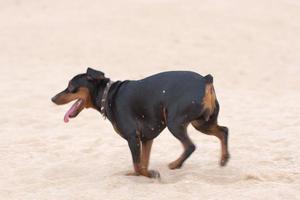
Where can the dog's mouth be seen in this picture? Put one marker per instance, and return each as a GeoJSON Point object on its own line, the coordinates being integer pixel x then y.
{"type": "Point", "coordinates": [74, 110]}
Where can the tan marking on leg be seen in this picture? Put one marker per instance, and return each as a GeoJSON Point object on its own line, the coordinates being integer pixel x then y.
{"type": "Point", "coordinates": [216, 131]}
{"type": "Point", "coordinates": [142, 167]}
{"type": "Point", "coordinates": [136, 170]}
{"type": "Point", "coordinates": [177, 163]}
{"type": "Point", "coordinates": [146, 150]}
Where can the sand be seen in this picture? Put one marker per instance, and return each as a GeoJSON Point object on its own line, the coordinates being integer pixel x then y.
{"type": "Point", "coordinates": [251, 47]}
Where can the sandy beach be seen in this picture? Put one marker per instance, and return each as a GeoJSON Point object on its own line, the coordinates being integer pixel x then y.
{"type": "Point", "coordinates": [251, 48]}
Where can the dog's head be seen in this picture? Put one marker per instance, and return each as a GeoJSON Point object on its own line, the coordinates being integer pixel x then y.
{"type": "Point", "coordinates": [83, 88]}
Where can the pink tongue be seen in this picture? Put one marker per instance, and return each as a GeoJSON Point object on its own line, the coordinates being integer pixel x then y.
{"type": "Point", "coordinates": [72, 110]}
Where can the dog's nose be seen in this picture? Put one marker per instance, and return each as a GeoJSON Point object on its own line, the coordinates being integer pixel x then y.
{"type": "Point", "coordinates": [53, 99]}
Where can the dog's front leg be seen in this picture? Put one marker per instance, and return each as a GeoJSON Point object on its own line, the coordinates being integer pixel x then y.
{"type": "Point", "coordinates": [135, 149]}
{"type": "Point", "coordinates": [140, 162]}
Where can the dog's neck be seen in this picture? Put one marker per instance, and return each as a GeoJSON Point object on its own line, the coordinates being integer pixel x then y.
{"type": "Point", "coordinates": [113, 89]}
{"type": "Point", "coordinates": [103, 101]}
{"type": "Point", "coordinates": [100, 97]}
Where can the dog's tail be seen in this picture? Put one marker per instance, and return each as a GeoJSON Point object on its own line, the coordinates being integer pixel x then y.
{"type": "Point", "coordinates": [209, 98]}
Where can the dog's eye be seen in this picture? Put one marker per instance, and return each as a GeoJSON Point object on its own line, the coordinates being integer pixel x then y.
{"type": "Point", "coordinates": [72, 89]}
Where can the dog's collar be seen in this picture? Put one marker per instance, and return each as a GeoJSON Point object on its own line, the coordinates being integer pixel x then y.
{"type": "Point", "coordinates": [104, 97]}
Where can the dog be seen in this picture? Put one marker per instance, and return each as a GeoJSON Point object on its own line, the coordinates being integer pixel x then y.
{"type": "Point", "coordinates": [140, 110]}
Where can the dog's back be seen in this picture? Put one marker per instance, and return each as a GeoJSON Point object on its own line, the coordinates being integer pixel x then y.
{"type": "Point", "coordinates": [176, 91]}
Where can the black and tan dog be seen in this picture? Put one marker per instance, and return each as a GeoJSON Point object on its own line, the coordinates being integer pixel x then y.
{"type": "Point", "coordinates": [140, 110]}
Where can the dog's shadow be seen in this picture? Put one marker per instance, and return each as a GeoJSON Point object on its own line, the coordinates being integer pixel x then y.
{"type": "Point", "coordinates": [215, 175]}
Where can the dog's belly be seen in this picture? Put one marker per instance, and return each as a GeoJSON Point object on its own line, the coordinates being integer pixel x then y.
{"type": "Point", "coordinates": [149, 129]}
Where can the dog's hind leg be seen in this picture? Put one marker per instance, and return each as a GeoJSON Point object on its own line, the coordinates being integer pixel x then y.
{"type": "Point", "coordinates": [180, 132]}
{"type": "Point", "coordinates": [221, 132]}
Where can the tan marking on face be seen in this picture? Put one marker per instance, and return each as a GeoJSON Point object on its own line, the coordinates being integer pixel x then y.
{"type": "Point", "coordinates": [82, 93]}
{"type": "Point", "coordinates": [209, 100]}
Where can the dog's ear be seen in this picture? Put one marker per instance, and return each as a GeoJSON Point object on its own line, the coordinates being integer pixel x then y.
{"type": "Point", "coordinates": [93, 74]}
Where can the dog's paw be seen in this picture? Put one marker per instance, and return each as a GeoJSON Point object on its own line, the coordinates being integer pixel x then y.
{"type": "Point", "coordinates": [174, 165]}
{"type": "Point", "coordinates": [224, 160]}
{"type": "Point", "coordinates": [154, 174]}
{"type": "Point", "coordinates": [132, 174]}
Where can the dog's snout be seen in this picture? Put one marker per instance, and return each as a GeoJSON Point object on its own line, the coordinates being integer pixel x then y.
{"type": "Point", "coordinates": [53, 99]}
{"type": "Point", "coordinates": [61, 98]}
{"type": "Point", "coordinates": [56, 99]}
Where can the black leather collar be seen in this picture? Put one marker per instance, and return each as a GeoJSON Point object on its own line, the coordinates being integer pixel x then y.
{"type": "Point", "coordinates": [104, 98]}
